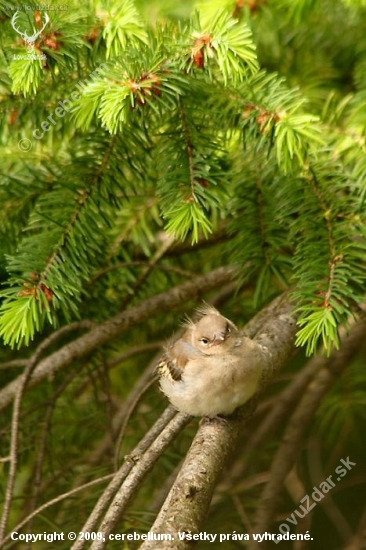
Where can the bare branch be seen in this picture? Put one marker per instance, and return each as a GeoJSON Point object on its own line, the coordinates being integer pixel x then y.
{"type": "Point", "coordinates": [20, 389]}
{"type": "Point", "coordinates": [283, 404]}
{"type": "Point", "coordinates": [133, 401]}
{"type": "Point", "coordinates": [179, 248]}
{"type": "Point", "coordinates": [119, 420]}
{"type": "Point", "coordinates": [359, 540]}
{"type": "Point", "coordinates": [14, 363]}
{"type": "Point", "coordinates": [42, 445]}
{"type": "Point", "coordinates": [165, 245]}
{"type": "Point", "coordinates": [328, 504]}
{"type": "Point", "coordinates": [136, 466]}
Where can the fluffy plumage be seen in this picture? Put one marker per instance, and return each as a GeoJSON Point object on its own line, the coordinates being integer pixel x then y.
{"type": "Point", "coordinates": [212, 369]}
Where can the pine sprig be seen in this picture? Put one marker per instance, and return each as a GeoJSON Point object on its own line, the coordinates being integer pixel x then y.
{"type": "Point", "coordinates": [50, 263]}
{"type": "Point", "coordinates": [122, 27]}
{"type": "Point", "coordinates": [263, 254]}
{"type": "Point", "coordinates": [224, 41]}
{"type": "Point", "coordinates": [272, 115]}
{"type": "Point", "coordinates": [190, 174]}
{"type": "Point", "coordinates": [330, 279]}
{"type": "Point", "coordinates": [199, 132]}
{"type": "Point", "coordinates": [65, 237]}
{"type": "Point", "coordinates": [22, 317]}
{"type": "Point", "coordinates": [55, 52]}
{"type": "Point", "coordinates": [139, 82]}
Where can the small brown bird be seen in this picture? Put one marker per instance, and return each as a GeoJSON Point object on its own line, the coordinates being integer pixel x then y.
{"type": "Point", "coordinates": [212, 369]}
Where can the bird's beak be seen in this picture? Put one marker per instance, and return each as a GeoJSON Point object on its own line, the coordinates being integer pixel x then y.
{"type": "Point", "coordinates": [218, 338]}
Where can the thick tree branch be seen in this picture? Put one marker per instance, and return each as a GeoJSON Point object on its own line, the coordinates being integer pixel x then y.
{"type": "Point", "coordinates": [187, 504]}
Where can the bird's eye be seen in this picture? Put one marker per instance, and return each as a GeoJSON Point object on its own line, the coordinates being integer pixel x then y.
{"type": "Point", "coordinates": [228, 329]}
{"type": "Point", "coordinates": [204, 341]}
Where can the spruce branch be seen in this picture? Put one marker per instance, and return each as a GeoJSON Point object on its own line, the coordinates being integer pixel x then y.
{"type": "Point", "coordinates": [52, 278]}
{"type": "Point", "coordinates": [256, 111]}
{"type": "Point", "coordinates": [105, 332]}
{"type": "Point", "coordinates": [122, 26]}
{"type": "Point", "coordinates": [191, 183]}
{"type": "Point", "coordinates": [223, 40]}
{"type": "Point", "coordinates": [326, 298]}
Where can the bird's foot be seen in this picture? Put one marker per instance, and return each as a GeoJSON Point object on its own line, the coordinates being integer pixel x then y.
{"type": "Point", "coordinates": [217, 418]}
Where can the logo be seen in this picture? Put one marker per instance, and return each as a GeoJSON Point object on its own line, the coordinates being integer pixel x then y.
{"type": "Point", "coordinates": [29, 40]}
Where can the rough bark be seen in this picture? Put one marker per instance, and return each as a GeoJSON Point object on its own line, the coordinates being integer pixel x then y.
{"type": "Point", "coordinates": [187, 504]}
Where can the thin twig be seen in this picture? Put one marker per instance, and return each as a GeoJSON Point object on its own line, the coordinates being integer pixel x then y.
{"type": "Point", "coordinates": [282, 406]}
{"type": "Point", "coordinates": [121, 475]}
{"type": "Point", "coordinates": [36, 478]}
{"type": "Point", "coordinates": [147, 264]}
{"type": "Point", "coordinates": [14, 442]}
{"type": "Point", "coordinates": [140, 469]}
{"type": "Point", "coordinates": [19, 392]}
{"type": "Point", "coordinates": [242, 513]}
{"type": "Point", "coordinates": [128, 412]}
{"type": "Point", "coordinates": [119, 418]}
{"type": "Point", "coordinates": [358, 541]}
{"type": "Point", "coordinates": [333, 512]}
{"type": "Point", "coordinates": [131, 352]}
{"type": "Point", "coordinates": [55, 500]}
{"type": "Point", "coordinates": [15, 363]}
{"type": "Point", "coordinates": [165, 245]}
{"type": "Point", "coordinates": [185, 247]}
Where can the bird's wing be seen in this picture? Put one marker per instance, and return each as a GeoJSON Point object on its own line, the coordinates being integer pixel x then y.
{"type": "Point", "coordinates": [175, 359]}
{"type": "Point", "coordinates": [169, 367]}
